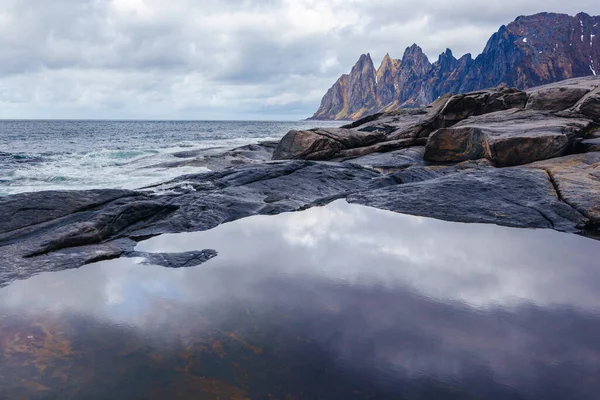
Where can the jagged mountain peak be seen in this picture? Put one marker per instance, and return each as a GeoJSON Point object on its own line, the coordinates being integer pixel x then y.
{"type": "Point", "coordinates": [364, 59]}
{"type": "Point", "coordinates": [530, 51]}
{"type": "Point", "coordinates": [446, 59]}
{"type": "Point", "coordinates": [413, 52]}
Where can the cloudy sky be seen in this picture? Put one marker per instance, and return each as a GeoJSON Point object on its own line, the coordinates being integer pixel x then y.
{"type": "Point", "coordinates": [220, 59]}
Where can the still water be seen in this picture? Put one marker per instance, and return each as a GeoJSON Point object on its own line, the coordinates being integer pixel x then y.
{"type": "Point", "coordinates": [338, 302]}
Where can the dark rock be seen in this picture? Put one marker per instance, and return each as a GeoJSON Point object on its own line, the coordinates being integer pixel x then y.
{"type": "Point", "coordinates": [27, 209]}
{"type": "Point", "coordinates": [518, 197]}
{"type": "Point", "coordinates": [392, 160]}
{"type": "Point", "coordinates": [105, 224]}
{"type": "Point", "coordinates": [219, 158]}
{"type": "Point", "coordinates": [380, 147]}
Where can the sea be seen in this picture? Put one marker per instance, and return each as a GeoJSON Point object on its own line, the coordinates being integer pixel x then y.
{"type": "Point", "coordinates": [40, 155]}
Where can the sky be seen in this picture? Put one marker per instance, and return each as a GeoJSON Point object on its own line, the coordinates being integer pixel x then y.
{"type": "Point", "coordinates": [220, 60]}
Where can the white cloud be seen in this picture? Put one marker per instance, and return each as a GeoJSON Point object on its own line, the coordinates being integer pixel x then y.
{"type": "Point", "coordinates": [218, 59]}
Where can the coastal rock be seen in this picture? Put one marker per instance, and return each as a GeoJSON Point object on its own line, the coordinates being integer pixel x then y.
{"type": "Point", "coordinates": [463, 106]}
{"type": "Point", "coordinates": [590, 105]}
{"type": "Point", "coordinates": [322, 144]}
{"type": "Point", "coordinates": [518, 197]}
{"type": "Point", "coordinates": [555, 98]}
{"type": "Point", "coordinates": [379, 161]}
{"type": "Point", "coordinates": [392, 160]}
{"type": "Point", "coordinates": [25, 209]}
{"type": "Point", "coordinates": [507, 138]}
{"type": "Point", "coordinates": [219, 158]}
{"type": "Point", "coordinates": [577, 181]}
{"type": "Point", "coordinates": [395, 130]}
{"type": "Point", "coordinates": [105, 224]}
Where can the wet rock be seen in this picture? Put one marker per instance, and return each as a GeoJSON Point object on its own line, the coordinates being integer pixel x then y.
{"type": "Point", "coordinates": [507, 138]}
{"type": "Point", "coordinates": [392, 160]}
{"type": "Point", "coordinates": [219, 158]}
{"type": "Point", "coordinates": [79, 235]}
{"type": "Point", "coordinates": [518, 197]}
{"type": "Point", "coordinates": [21, 210]}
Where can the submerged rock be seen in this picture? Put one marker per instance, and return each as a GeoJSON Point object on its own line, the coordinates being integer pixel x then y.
{"type": "Point", "coordinates": [176, 260]}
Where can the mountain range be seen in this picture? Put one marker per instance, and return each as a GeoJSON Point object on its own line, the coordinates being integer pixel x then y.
{"type": "Point", "coordinates": [530, 51]}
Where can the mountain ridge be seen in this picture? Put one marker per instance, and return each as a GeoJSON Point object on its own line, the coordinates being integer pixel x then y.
{"type": "Point", "coordinates": [530, 51]}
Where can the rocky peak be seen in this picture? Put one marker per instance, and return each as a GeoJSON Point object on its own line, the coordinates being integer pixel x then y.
{"type": "Point", "coordinates": [415, 60]}
{"type": "Point", "coordinates": [364, 64]}
{"type": "Point", "coordinates": [361, 86]}
{"type": "Point", "coordinates": [446, 61]}
{"type": "Point", "coordinates": [386, 88]}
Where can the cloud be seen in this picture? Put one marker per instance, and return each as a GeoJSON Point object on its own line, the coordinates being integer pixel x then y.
{"type": "Point", "coordinates": [218, 59]}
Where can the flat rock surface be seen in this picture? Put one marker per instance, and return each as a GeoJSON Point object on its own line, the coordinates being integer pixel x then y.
{"type": "Point", "coordinates": [518, 197]}
{"type": "Point", "coordinates": [577, 180]}
{"type": "Point", "coordinates": [392, 160]}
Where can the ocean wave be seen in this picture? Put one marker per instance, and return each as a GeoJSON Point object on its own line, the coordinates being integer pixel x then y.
{"type": "Point", "coordinates": [55, 155]}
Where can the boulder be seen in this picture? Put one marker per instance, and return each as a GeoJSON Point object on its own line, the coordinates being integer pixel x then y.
{"type": "Point", "coordinates": [462, 106]}
{"type": "Point", "coordinates": [322, 144]}
{"type": "Point", "coordinates": [556, 98]}
{"type": "Point", "coordinates": [449, 110]}
{"type": "Point", "coordinates": [507, 138]}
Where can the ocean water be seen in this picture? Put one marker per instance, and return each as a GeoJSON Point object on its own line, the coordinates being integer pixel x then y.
{"type": "Point", "coordinates": [49, 155]}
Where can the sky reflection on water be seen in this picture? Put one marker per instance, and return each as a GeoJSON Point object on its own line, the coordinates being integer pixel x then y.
{"type": "Point", "coordinates": [342, 301]}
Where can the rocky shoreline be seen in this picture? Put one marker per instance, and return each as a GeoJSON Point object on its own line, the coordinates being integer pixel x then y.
{"type": "Point", "coordinates": [522, 159]}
